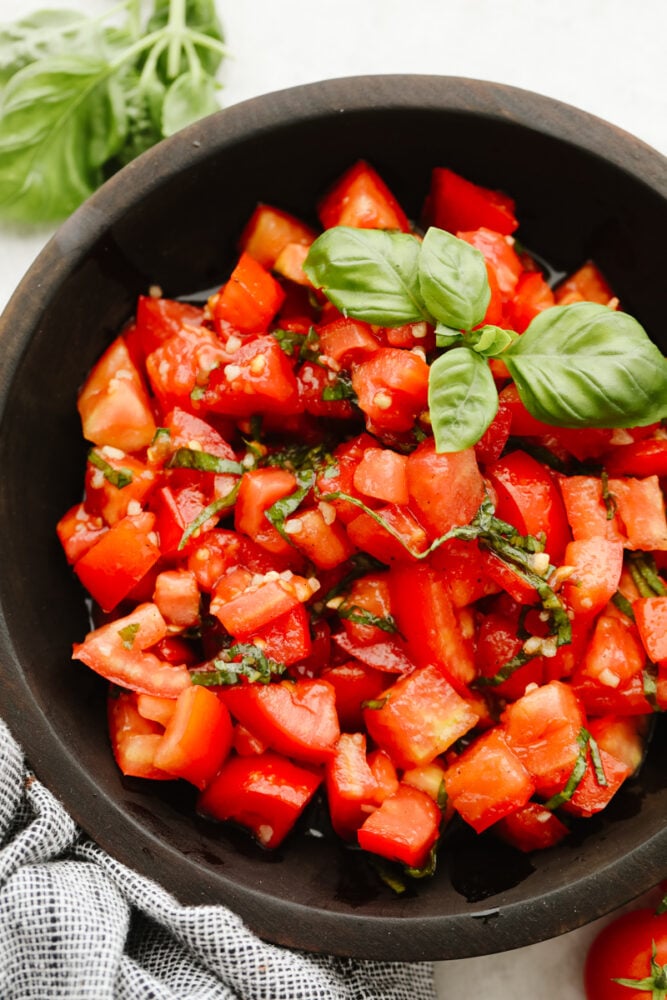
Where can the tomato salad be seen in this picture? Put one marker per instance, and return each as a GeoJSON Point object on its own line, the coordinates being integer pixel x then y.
{"type": "Point", "coordinates": [346, 538]}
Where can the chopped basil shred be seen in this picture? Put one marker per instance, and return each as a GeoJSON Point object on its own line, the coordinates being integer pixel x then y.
{"type": "Point", "coordinates": [216, 507]}
{"type": "Point", "coordinates": [203, 461]}
{"type": "Point", "coordinates": [120, 478]}
{"type": "Point", "coordinates": [360, 616]}
{"type": "Point", "coordinates": [128, 634]}
{"type": "Point", "coordinates": [240, 660]}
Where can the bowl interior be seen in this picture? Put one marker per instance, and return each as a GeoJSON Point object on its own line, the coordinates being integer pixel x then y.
{"type": "Point", "coordinates": [173, 218]}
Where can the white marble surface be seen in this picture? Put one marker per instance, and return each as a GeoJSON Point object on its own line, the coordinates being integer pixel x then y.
{"type": "Point", "coordinates": [606, 56]}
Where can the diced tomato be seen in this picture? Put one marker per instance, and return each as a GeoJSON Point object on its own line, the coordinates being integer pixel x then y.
{"type": "Point", "coordinates": [445, 489]}
{"type": "Point", "coordinates": [651, 617]}
{"type": "Point", "coordinates": [419, 717]}
{"type": "Point", "coordinates": [269, 230]}
{"type": "Point", "coordinates": [585, 285]}
{"type": "Point", "coordinates": [157, 709]}
{"type": "Point", "coordinates": [391, 388]}
{"type": "Point", "coordinates": [614, 653]}
{"type": "Point", "coordinates": [115, 483]}
{"type": "Point", "coordinates": [592, 794]}
{"type": "Point", "coordinates": [641, 509]}
{"type": "Point", "coordinates": [320, 539]}
{"type": "Point", "coordinates": [295, 718]}
{"type": "Point", "coordinates": [351, 785]}
{"type": "Point", "coordinates": [316, 382]}
{"type": "Point", "coordinates": [134, 739]}
{"type": "Point", "coordinates": [430, 778]}
{"type": "Point", "coordinates": [122, 556]}
{"type": "Point", "coordinates": [78, 531]}
{"type": "Point", "coordinates": [361, 198]}
{"type": "Point", "coordinates": [643, 458]}
{"type": "Point", "coordinates": [462, 564]}
{"type": "Point", "coordinates": [387, 655]}
{"type": "Point", "coordinates": [381, 474]}
{"type": "Point", "coordinates": [215, 552]}
{"type": "Point", "coordinates": [586, 511]}
{"type": "Point", "coordinates": [114, 407]}
{"type": "Point", "coordinates": [542, 727]}
{"type": "Point", "coordinates": [508, 578]}
{"type": "Point", "coordinates": [259, 379]}
{"type": "Point", "coordinates": [491, 445]}
{"type": "Point", "coordinates": [531, 828]}
{"type": "Point", "coordinates": [186, 430]}
{"type": "Point", "coordinates": [499, 255]}
{"type": "Point", "coordinates": [456, 204]}
{"type": "Point", "coordinates": [531, 295]}
{"type": "Point", "coordinates": [265, 793]}
{"type": "Point", "coordinates": [597, 565]}
{"type": "Point", "coordinates": [339, 477]}
{"type": "Point", "coordinates": [404, 828]}
{"type": "Point", "coordinates": [177, 596]}
{"type": "Point", "coordinates": [159, 319]}
{"type": "Point", "coordinates": [246, 743]}
{"type": "Point", "coordinates": [117, 651]}
{"type": "Point", "coordinates": [180, 366]}
{"type": "Point", "coordinates": [257, 606]}
{"type": "Point", "coordinates": [428, 621]}
{"type": "Point", "coordinates": [259, 490]}
{"type": "Point", "coordinates": [289, 264]}
{"type": "Point", "coordinates": [286, 639]}
{"type": "Point", "coordinates": [529, 498]}
{"type": "Point", "coordinates": [347, 341]}
{"type": "Point", "coordinates": [384, 773]}
{"type": "Point", "coordinates": [368, 594]}
{"type": "Point", "coordinates": [497, 643]}
{"type": "Point", "coordinates": [178, 509]}
{"type": "Point", "coordinates": [488, 781]}
{"type": "Point", "coordinates": [197, 739]}
{"type": "Point", "coordinates": [354, 683]}
{"type": "Point", "coordinates": [523, 423]}
{"type": "Point", "coordinates": [249, 300]}
{"type": "Point", "coordinates": [396, 537]}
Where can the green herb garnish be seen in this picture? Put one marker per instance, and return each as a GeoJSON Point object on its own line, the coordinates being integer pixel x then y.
{"type": "Point", "coordinates": [579, 365]}
{"type": "Point", "coordinates": [82, 96]}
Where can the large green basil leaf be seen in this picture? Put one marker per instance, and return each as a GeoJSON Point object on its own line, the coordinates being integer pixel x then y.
{"type": "Point", "coordinates": [62, 118]}
{"type": "Point", "coordinates": [42, 33]}
{"type": "Point", "coordinates": [453, 280]}
{"type": "Point", "coordinates": [587, 365]}
{"type": "Point", "coordinates": [462, 399]}
{"type": "Point", "coordinates": [370, 274]}
{"type": "Point", "coordinates": [190, 97]}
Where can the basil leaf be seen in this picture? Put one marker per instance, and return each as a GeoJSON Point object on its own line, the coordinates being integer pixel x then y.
{"type": "Point", "coordinates": [462, 399]}
{"type": "Point", "coordinates": [203, 461]}
{"type": "Point", "coordinates": [453, 280]}
{"type": "Point", "coordinates": [370, 274]}
{"type": "Point", "coordinates": [446, 337]}
{"type": "Point", "coordinates": [45, 32]}
{"type": "Point", "coordinates": [59, 121]}
{"type": "Point", "coordinates": [190, 97]}
{"type": "Point", "coordinates": [490, 341]}
{"type": "Point", "coordinates": [586, 365]}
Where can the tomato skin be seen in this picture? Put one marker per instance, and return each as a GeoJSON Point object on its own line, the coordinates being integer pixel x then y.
{"type": "Point", "coordinates": [111, 567]}
{"type": "Point", "coordinates": [361, 198]}
{"type": "Point", "coordinates": [269, 230]}
{"type": "Point", "coordinates": [197, 738]}
{"type": "Point", "coordinates": [445, 489]}
{"type": "Point", "coordinates": [113, 404]}
{"type": "Point", "coordinates": [455, 203]}
{"type": "Point", "coordinates": [622, 950]}
{"type": "Point", "coordinates": [264, 792]}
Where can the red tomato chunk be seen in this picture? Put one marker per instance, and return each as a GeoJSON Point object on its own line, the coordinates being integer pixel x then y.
{"type": "Point", "coordinates": [295, 592]}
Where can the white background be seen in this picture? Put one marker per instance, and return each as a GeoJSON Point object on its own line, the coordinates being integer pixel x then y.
{"type": "Point", "coordinates": [606, 56]}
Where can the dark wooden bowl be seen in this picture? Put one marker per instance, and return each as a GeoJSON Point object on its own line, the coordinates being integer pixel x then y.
{"type": "Point", "coordinates": [173, 217]}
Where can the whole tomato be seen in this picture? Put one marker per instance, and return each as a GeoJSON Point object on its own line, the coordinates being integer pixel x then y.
{"type": "Point", "coordinates": [628, 959]}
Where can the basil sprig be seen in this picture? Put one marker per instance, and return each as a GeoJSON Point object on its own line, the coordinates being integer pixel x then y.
{"type": "Point", "coordinates": [579, 365]}
{"type": "Point", "coordinates": [82, 96]}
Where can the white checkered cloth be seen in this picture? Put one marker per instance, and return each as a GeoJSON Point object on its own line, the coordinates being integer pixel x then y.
{"type": "Point", "coordinates": [76, 924]}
